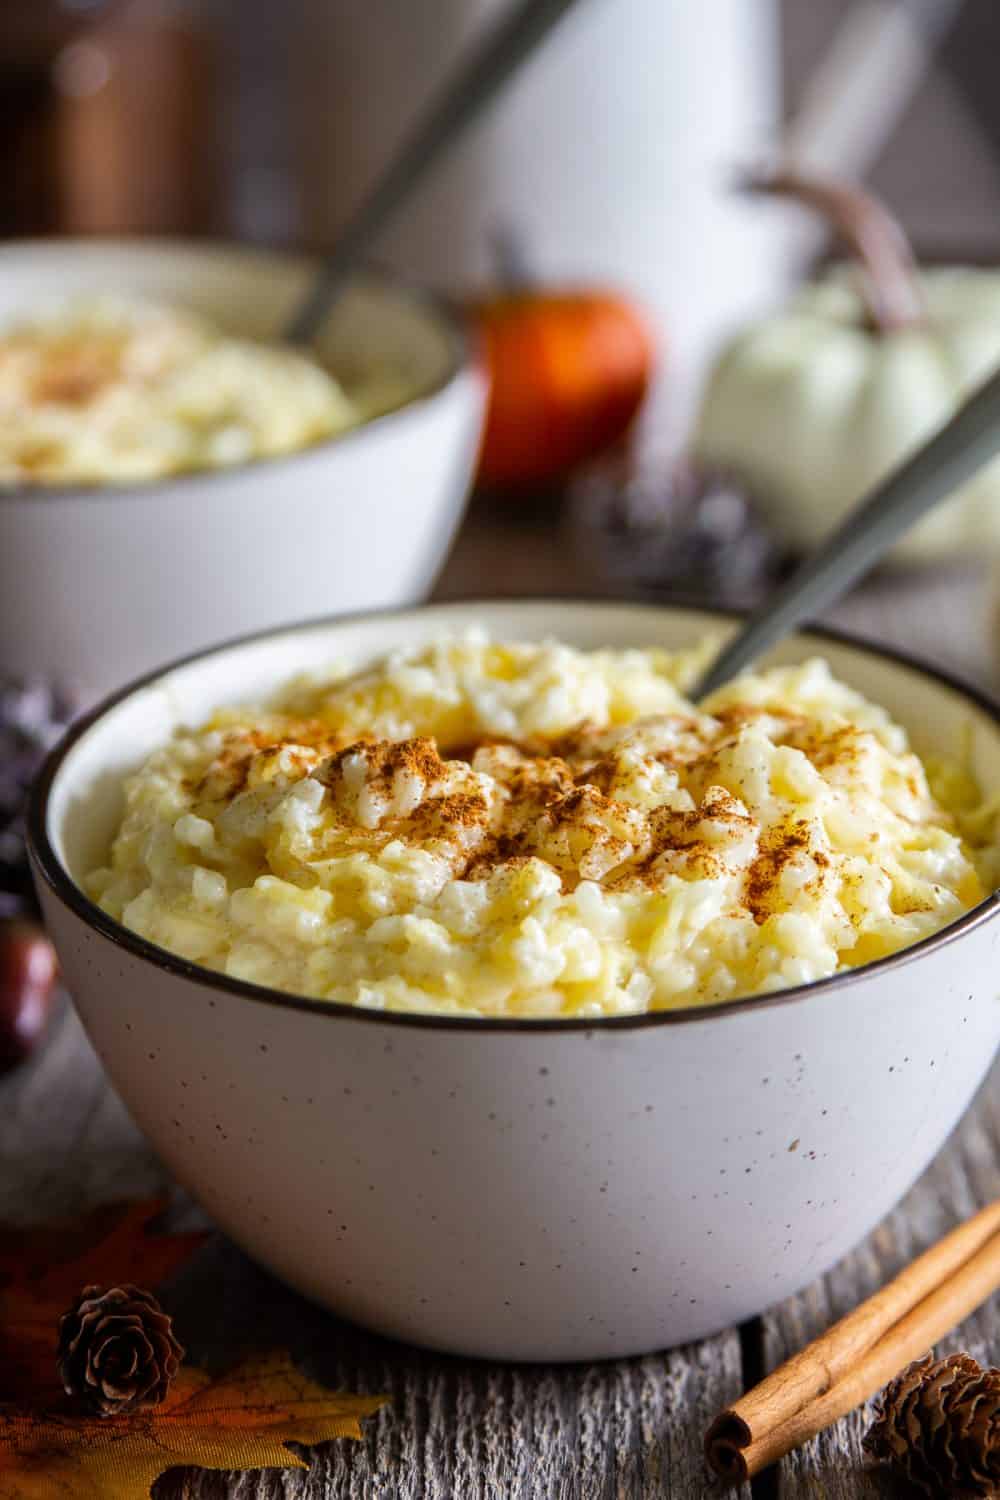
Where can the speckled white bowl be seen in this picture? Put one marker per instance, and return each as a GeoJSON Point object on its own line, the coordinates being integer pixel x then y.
{"type": "Point", "coordinates": [532, 1190]}
{"type": "Point", "coordinates": [98, 583]}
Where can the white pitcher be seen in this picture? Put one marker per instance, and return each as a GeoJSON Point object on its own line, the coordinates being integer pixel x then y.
{"type": "Point", "coordinates": [610, 153]}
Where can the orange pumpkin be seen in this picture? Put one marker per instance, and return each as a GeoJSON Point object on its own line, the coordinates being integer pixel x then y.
{"type": "Point", "coordinates": [568, 373]}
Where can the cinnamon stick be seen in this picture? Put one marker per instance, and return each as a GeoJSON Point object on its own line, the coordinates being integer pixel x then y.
{"type": "Point", "coordinates": [858, 1355]}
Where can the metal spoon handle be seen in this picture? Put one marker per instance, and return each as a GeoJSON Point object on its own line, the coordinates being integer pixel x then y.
{"type": "Point", "coordinates": [955, 453]}
{"type": "Point", "coordinates": [463, 97]}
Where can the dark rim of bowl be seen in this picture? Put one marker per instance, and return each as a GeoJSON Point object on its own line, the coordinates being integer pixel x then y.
{"type": "Point", "coordinates": [464, 354]}
{"type": "Point", "coordinates": [69, 893]}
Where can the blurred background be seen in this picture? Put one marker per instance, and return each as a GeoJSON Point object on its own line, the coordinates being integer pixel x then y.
{"type": "Point", "coordinates": [607, 165]}
{"type": "Point", "coordinates": [690, 382]}
{"type": "Point", "coordinates": [245, 118]}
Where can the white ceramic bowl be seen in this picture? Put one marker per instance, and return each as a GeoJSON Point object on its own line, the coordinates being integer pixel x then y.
{"type": "Point", "coordinates": [524, 1190]}
{"type": "Point", "coordinates": [98, 584]}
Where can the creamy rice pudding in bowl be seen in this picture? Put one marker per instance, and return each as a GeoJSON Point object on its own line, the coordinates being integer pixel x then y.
{"type": "Point", "coordinates": [500, 998]}
{"type": "Point", "coordinates": [170, 473]}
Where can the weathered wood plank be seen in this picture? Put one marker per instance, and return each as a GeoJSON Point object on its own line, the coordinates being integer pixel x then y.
{"type": "Point", "coordinates": [66, 1141]}
{"type": "Point", "coordinates": [964, 1177]}
{"type": "Point", "coordinates": [629, 1430]}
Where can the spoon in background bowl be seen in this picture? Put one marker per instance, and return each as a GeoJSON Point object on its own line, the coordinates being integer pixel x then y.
{"type": "Point", "coordinates": [953, 455]}
{"type": "Point", "coordinates": [461, 100]}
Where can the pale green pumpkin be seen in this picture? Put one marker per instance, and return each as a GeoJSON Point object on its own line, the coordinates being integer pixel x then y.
{"type": "Point", "coordinates": [812, 406]}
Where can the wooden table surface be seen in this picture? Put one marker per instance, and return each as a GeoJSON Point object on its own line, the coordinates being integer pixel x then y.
{"type": "Point", "coordinates": [616, 1431]}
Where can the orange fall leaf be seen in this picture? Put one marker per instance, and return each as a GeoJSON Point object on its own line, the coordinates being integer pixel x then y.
{"type": "Point", "coordinates": [42, 1270]}
{"type": "Point", "coordinates": [112, 1244]}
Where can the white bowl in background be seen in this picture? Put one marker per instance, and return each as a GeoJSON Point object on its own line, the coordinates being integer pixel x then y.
{"type": "Point", "coordinates": [524, 1189]}
{"type": "Point", "coordinates": [100, 583]}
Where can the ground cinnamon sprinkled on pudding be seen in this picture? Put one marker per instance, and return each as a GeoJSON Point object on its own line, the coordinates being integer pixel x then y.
{"type": "Point", "coordinates": [776, 849]}
{"type": "Point", "coordinates": [508, 829]}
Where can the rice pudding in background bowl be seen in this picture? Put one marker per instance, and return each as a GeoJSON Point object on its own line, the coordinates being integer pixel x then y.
{"type": "Point", "coordinates": [676, 1005]}
{"type": "Point", "coordinates": [170, 475]}
{"type": "Point", "coordinates": [103, 390]}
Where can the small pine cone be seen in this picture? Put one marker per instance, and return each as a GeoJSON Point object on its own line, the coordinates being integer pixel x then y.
{"type": "Point", "coordinates": [938, 1423]}
{"type": "Point", "coordinates": [116, 1350]}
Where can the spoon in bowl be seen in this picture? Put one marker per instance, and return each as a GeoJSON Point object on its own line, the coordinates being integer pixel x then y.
{"type": "Point", "coordinates": [953, 455]}
{"type": "Point", "coordinates": [461, 100]}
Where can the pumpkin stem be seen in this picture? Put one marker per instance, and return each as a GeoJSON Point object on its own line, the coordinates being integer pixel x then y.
{"type": "Point", "coordinates": [889, 281]}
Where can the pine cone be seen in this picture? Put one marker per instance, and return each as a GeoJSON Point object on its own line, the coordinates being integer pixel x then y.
{"type": "Point", "coordinates": [116, 1350]}
{"type": "Point", "coordinates": [939, 1424]}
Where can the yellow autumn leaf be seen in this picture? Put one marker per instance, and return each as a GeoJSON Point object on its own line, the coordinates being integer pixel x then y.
{"type": "Point", "coordinates": [241, 1420]}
